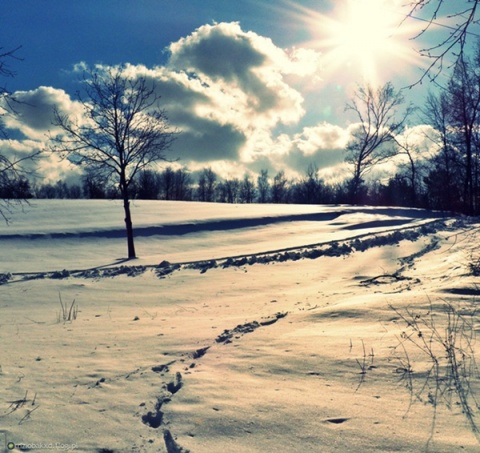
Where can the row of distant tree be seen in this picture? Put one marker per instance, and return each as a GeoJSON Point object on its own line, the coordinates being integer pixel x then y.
{"type": "Point", "coordinates": [207, 186]}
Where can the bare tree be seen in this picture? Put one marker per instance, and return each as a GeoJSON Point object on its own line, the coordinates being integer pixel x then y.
{"type": "Point", "coordinates": [167, 183]}
{"type": "Point", "coordinates": [207, 185]}
{"type": "Point", "coordinates": [148, 185]}
{"type": "Point", "coordinates": [247, 189]}
{"type": "Point", "coordinates": [232, 186]}
{"type": "Point", "coordinates": [373, 141]}
{"type": "Point", "coordinates": [309, 189]}
{"type": "Point", "coordinates": [12, 173]}
{"type": "Point", "coordinates": [183, 182]}
{"type": "Point", "coordinates": [280, 188]}
{"type": "Point", "coordinates": [122, 132]}
{"type": "Point", "coordinates": [411, 151]}
{"type": "Point", "coordinates": [455, 115]}
{"type": "Point", "coordinates": [464, 93]}
{"type": "Point", "coordinates": [445, 170]}
{"type": "Point", "coordinates": [263, 187]}
{"type": "Point", "coordinates": [454, 42]}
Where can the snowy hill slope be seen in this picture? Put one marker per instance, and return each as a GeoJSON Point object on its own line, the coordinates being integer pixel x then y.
{"type": "Point", "coordinates": [292, 339]}
{"type": "Point", "coordinates": [62, 232]}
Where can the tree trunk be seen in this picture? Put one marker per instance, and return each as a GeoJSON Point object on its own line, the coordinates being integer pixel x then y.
{"type": "Point", "coordinates": [356, 183]}
{"type": "Point", "coordinates": [413, 181]}
{"type": "Point", "coordinates": [469, 180]}
{"type": "Point", "coordinates": [129, 227]}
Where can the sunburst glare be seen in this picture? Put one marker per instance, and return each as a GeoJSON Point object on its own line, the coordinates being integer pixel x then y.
{"type": "Point", "coordinates": [365, 38]}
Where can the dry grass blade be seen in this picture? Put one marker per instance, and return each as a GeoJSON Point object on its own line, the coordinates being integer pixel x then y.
{"type": "Point", "coordinates": [446, 337]}
{"type": "Point", "coordinates": [67, 313]}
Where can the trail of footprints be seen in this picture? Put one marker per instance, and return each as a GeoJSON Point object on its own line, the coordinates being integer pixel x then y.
{"type": "Point", "coordinates": [155, 417]}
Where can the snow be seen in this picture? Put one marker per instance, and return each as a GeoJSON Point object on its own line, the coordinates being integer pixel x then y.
{"type": "Point", "coordinates": [62, 232]}
{"type": "Point", "coordinates": [259, 350]}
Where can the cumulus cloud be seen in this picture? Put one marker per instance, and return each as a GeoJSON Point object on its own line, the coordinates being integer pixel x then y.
{"type": "Point", "coordinates": [229, 93]}
{"type": "Point", "coordinates": [32, 113]}
{"type": "Point", "coordinates": [51, 168]}
{"type": "Point", "coordinates": [221, 52]}
{"type": "Point", "coordinates": [19, 151]}
{"type": "Point", "coordinates": [324, 136]}
{"type": "Point", "coordinates": [225, 90]}
{"type": "Point", "coordinates": [30, 119]}
{"type": "Point", "coordinates": [422, 140]}
{"type": "Point", "coordinates": [244, 71]}
{"type": "Point", "coordinates": [213, 141]}
{"type": "Point", "coordinates": [322, 145]}
{"type": "Point", "coordinates": [45, 167]}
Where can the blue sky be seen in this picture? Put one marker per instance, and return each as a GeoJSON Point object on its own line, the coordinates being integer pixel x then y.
{"type": "Point", "coordinates": [271, 77]}
{"type": "Point", "coordinates": [56, 34]}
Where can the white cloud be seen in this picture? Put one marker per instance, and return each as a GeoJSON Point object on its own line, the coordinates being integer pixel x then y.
{"type": "Point", "coordinates": [45, 167]}
{"type": "Point", "coordinates": [232, 95]}
{"type": "Point", "coordinates": [204, 114]}
{"type": "Point", "coordinates": [20, 151]}
{"type": "Point", "coordinates": [322, 145]}
{"type": "Point", "coordinates": [51, 168]}
{"type": "Point", "coordinates": [335, 174]}
{"type": "Point", "coordinates": [225, 91]}
{"type": "Point", "coordinates": [421, 139]}
{"type": "Point", "coordinates": [33, 110]}
{"type": "Point", "coordinates": [303, 62]}
{"type": "Point", "coordinates": [33, 117]}
{"type": "Point", "coordinates": [324, 136]}
{"type": "Point", "coordinates": [242, 74]}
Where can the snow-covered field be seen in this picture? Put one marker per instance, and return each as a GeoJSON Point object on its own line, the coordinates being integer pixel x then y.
{"type": "Point", "coordinates": [239, 328]}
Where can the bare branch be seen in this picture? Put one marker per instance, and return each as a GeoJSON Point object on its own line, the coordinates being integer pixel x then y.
{"type": "Point", "coordinates": [11, 170]}
{"type": "Point", "coordinates": [453, 44]}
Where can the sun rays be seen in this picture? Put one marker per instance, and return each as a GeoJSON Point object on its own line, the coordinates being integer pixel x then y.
{"type": "Point", "coordinates": [365, 38]}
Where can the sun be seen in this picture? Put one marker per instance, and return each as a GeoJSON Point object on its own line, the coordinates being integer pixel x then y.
{"type": "Point", "coordinates": [366, 38]}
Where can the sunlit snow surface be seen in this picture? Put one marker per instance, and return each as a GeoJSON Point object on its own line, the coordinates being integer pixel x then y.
{"type": "Point", "coordinates": [301, 352]}
{"type": "Point", "coordinates": [85, 233]}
